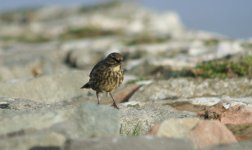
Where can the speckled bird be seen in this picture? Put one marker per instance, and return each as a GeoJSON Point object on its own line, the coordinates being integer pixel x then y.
{"type": "Point", "coordinates": [106, 75]}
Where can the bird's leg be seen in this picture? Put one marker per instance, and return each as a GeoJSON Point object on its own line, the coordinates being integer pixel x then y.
{"type": "Point", "coordinates": [114, 103]}
{"type": "Point", "coordinates": [98, 98]}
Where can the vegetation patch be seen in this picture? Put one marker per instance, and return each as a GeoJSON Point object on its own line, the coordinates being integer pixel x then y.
{"type": "Point", "coordinates": [136, 131]}
{"type": "Point", "coordinates": [211, 42]}
{"type": "Point", "coordinates": [26, 39]}
{"type": "Point", "coordinates": [100, 6]}
{"type": "Point", "coordinates": [22, 15]}
{"type": "Point", "coordinates": [74, 33]}
{"type": "Point", "coordinates": [225, 68]}
{"type": "Point", "coordinates": [146, 39]}
{"type": "Point", "coordinates": [247, 45]}
{"type": "Point", "coordinates": [87, 31]}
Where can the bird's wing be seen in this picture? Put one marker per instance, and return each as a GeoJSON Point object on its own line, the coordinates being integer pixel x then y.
{"type": "Point", "coordinates": [96, 68]}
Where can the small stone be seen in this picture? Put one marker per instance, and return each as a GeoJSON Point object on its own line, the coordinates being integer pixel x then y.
{"type": "Point", "coordinates": [132, 104]}
{"type": "Point", "coordinates": [228, 105]}
{"type": "Point", "coordinates": [206, 101]}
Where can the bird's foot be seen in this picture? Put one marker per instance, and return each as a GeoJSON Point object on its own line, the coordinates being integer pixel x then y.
{"type": "Point", "coordinates": [115, 106]}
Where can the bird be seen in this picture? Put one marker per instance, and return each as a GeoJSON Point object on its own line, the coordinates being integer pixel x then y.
{"type": "Point", "coordinates": [106, 75]}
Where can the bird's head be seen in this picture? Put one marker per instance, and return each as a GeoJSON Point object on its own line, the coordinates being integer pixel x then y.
{"type": "Point", "coordinates": [114, 58]}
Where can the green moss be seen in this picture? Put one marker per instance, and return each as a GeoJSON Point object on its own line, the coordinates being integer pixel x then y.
{"type": "Point", "coordinates": [26, 39]}
{"type": "Point", "coordinates": [211, 42]}
{"type": "Point", "coordinates": [88, 31]}
{"type": "Point", "coordinates": [225, 68]}
{"type": "Point", "coordinates": [145, 39]}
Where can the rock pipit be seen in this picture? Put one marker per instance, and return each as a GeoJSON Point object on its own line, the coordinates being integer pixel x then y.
{"type": "Point", "coordinates": [106, 75]}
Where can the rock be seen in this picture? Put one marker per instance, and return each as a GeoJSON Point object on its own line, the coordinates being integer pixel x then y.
{"type": "Point", "coordinates": [46, 140]}
{"type": "Point", "coordinates": [164, 24]}
{"type": "Point", "coordinates": [125, 93]}
{"type": "Point", "coordinates": [19, 104]}
{"type": "Point", "coordinates": [133, 143]}
{"type": "Point", "coordinates": [211, 132]}
{"type": "Point", "coordinates": [227, 48]}
{"type": "Point", "coordinates": [236, 146]}
{"type": "Point", "coordinates": [82, 58]}
{"type": "Point", "coordinates": [28, 61]}
{"type": "Point", "coordinates": [138, 118]}
{"type": "Point", "coordinates": [91, 121]}
{"type": "Point", "coordinates": [47, 89]}
{"type": "Point", "coordinates": [242, 132]}
{"type": "Point", "coordinates": [238, 114]}
{"type": "Point", "coordinates": [4, 105]}
{"type": "Point", "coordinates": [206, 101]}
{"type": "Point", "coordinates": [87, 52]}
{"type": "Point", "coordinates": [202, 133]}
{"type": "Point", "coordinates": [73, 122]}
{"type": "Point", "coordinates": [186, 88]}
{"type": "Point", "coordinates": [176, 128]}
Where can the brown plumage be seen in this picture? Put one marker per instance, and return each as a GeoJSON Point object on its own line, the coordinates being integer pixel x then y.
{"type": "Point", "coordinates": [106, 76]}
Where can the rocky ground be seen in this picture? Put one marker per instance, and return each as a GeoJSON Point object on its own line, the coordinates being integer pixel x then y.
{"type": "Point", "coordinates": [183, 89]}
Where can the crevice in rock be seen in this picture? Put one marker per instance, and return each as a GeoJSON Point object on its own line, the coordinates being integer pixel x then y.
{"type": "Point", "coordinates": [130, 94]}
{"type": "Point", "coordinates": [4, 105]}
{"type": "Point", "coordinates": [45, 148]}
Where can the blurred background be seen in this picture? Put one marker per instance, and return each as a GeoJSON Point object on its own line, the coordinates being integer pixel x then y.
{"type": "Point", "coordinates": [230, 18]}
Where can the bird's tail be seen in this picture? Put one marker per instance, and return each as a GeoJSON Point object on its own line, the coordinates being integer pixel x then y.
{"type": "Point", "coordinates": [86, 86]}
